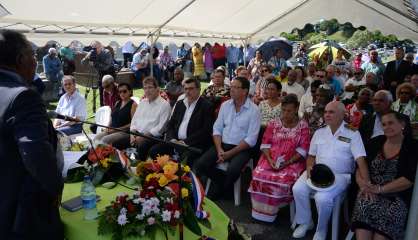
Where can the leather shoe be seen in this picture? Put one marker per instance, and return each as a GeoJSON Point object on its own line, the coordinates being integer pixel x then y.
{"type": "Point", "coordinates": [301, 230]}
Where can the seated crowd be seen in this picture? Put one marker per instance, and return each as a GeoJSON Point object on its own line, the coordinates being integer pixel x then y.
{"type": "Point", "coordinates": [286, 120]}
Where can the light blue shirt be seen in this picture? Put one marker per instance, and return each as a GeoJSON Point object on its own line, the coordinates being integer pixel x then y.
{"type": "Point", "coordinates": [249, 54]}
{"type": "Point", "coordinates": [51, 65]}
{"type": "Point", "coordinates": [73, 106]}
{"type": "Point", "coordinates": [234, 126]}
{"type": "Point", "coordinates": [232, 54]}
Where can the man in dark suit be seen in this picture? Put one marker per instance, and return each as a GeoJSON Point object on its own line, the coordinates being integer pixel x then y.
{"type": "Point", "coordinates": [32, 181]}
{"type": "Point", "coordinates": [396, 71]}
{"type": "Point", "coordinates": [370, 125]}
{"type": "Point", "coordinates": [190, 123]}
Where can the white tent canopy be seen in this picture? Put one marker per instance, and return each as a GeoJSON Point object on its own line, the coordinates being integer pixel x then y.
{"type": "Point", "coordinates": [202, 20]}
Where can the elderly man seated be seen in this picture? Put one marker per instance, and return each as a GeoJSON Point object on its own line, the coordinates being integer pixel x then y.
{"type": "Point", "coordinates": [110, 91]}
{"type": "Point", "coordinates": [70, 104]}
{"type": "Point", "coordinates": [339, 147]}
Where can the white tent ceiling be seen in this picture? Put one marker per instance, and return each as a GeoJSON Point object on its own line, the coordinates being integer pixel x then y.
{"type": "Point", "coordinates": [197, 20]}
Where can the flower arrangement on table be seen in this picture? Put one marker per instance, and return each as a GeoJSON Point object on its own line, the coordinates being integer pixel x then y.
{"type": "Point", "coordinates": [155, 206]}
{"type": "Point", "coordinates": [97, 162]}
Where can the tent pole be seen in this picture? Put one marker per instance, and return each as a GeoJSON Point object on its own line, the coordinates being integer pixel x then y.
{"type": "Point", "coordinates": [150, 55]}
{"type": "Point", "coordinates": [412, 225]}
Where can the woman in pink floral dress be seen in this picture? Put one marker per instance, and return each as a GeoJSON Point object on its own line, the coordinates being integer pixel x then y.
{"type": "Point", "coordinates": [284, 147]}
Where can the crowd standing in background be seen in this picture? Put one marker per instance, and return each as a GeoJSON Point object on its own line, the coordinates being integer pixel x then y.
{"type": "Point", "coordinates": [359, 117]}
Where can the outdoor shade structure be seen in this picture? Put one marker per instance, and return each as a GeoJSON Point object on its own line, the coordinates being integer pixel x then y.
{"type": "Point", "coordinates": [250, 21]}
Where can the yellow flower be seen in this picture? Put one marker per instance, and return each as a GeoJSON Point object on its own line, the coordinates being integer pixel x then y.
{"type": "Point", "coordinates": [105, 162]}
{"type": "Point", "coordinates": [184, 193]}
{"type": "Point", "coordinates": [149, 176]}
{"type": "Point", "coordinates": [170, 169]}
{"type": "Point", "coordinates": [162, 160]}
{"type": "Point", "coordinates": [186, 169]}
{"type": "Point", "coordinates": [163, 181]}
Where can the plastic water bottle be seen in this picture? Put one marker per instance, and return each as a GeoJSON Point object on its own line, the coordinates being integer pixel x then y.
{"type": "Point", "coordinates": [88, 196]}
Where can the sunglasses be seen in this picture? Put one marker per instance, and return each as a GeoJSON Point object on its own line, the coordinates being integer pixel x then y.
{"type": "Point", "coordinates": [320, 76]}
{"type": "Point", "coordinates": [357, 73]}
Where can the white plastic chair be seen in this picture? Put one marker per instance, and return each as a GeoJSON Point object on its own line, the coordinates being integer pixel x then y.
{"type": "Point", "coordinates": [237, 184]}
{"type": "Point", "coordinates": [136, 99]}
{"type": "Point", "coordinates": [103, 117]}
{"type": "Point", "coordinates": [335, 215]}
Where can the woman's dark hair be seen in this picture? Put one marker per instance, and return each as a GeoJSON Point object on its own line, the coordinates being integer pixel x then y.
{"type": "Point", "coordinates": [127, 85]}
{"type": "Point", "coordinates": [304, 75]}
{"type": "Point", "coordinates": [272, 80]}
{"type": "Point", "coordinates": [402, 118]}
{"type": "Point", "coordinates": [290, 99]}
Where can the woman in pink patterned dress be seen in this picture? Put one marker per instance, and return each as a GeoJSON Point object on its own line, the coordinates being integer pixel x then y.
{"type": "Point", "coordinates": [284, 147]}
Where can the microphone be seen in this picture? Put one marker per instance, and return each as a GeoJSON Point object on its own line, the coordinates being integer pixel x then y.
{"type": "Point", "coordinates": [53, 114]}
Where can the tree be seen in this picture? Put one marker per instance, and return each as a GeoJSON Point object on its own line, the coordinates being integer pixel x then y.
{"type": "Point", "coordinates": [315, 38]}
{"type": "Point", "coordinates": [289, 36]}
{"type": "Point", "coordinates": [347, 29]}
{"type": "Point", "coordinates": [360, 39]}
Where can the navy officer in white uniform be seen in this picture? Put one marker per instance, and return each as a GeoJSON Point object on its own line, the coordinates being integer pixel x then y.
{"type": "Point", "coordinates": [338, 146]}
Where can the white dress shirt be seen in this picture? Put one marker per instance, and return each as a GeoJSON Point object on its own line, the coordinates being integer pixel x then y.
{"type": "Point", "coordinates": [295, 88]}
{"type": "Point", "coordinates": [182, 134]}
{"type": "Point", "coordinates": [306, 104]}
{"type": "Point", "coordinates": [150, 117]}
{"type": "Point", "coordinates": [355, 83]}
{"type": "Point", "coordinates": [338, 151]}
{"type": "Point", "coordinates": [377, 128]}
{"type": "Point", "coordinates": [73, 105]}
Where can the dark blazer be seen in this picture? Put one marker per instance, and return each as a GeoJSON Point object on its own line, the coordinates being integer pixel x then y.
{"type": "Point", "coordinates": [31, 181]}
{"type": "Point", "coordinates": [199, 129]}
{"type": "Point", "coordinates": [367, 125]}
{"type": "Point", "coordinates": [391, 74]}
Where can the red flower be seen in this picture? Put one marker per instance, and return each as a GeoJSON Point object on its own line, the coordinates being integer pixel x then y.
{"type": "Point", "coordinates": [131, 207]}
{"type": "Point", "coordinates": [186, 179]}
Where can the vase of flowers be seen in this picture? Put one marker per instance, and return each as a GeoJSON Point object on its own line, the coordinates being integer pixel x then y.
{"type": "Point", "coordinates": [155, 205]}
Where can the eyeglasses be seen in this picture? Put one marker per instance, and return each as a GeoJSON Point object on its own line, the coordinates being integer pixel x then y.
{"type": "Point", "coordinates": [123, 91]}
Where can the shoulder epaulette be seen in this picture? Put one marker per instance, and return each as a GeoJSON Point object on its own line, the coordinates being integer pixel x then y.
{"type": "Point", "coordinates": [350, 127]}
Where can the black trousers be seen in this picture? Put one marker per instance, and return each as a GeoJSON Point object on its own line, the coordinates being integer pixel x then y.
{"type": "Point", "coordinates": [206, 166]}
{"type": "Point", "coordinates": [165, 149]}
{"type": "Point", "coordinates": [143, 149]}
{"type": "Point", "coordinates": [127, 57]}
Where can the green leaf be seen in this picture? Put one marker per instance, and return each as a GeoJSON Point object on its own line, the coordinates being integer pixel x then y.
{"type": "Point", "coordinates": [190, 220]}
{"type": "Point", "coordinates": [206, 223]}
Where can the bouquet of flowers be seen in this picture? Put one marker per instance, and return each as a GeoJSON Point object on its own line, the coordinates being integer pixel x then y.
{"type": "Point", "coordinates": [97, 162]}
{"type": "Point", "coordinates": [155, 206]}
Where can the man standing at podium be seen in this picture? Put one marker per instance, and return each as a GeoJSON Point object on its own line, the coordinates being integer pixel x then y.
{"type": "Point", "coordinates": [30, 177]}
